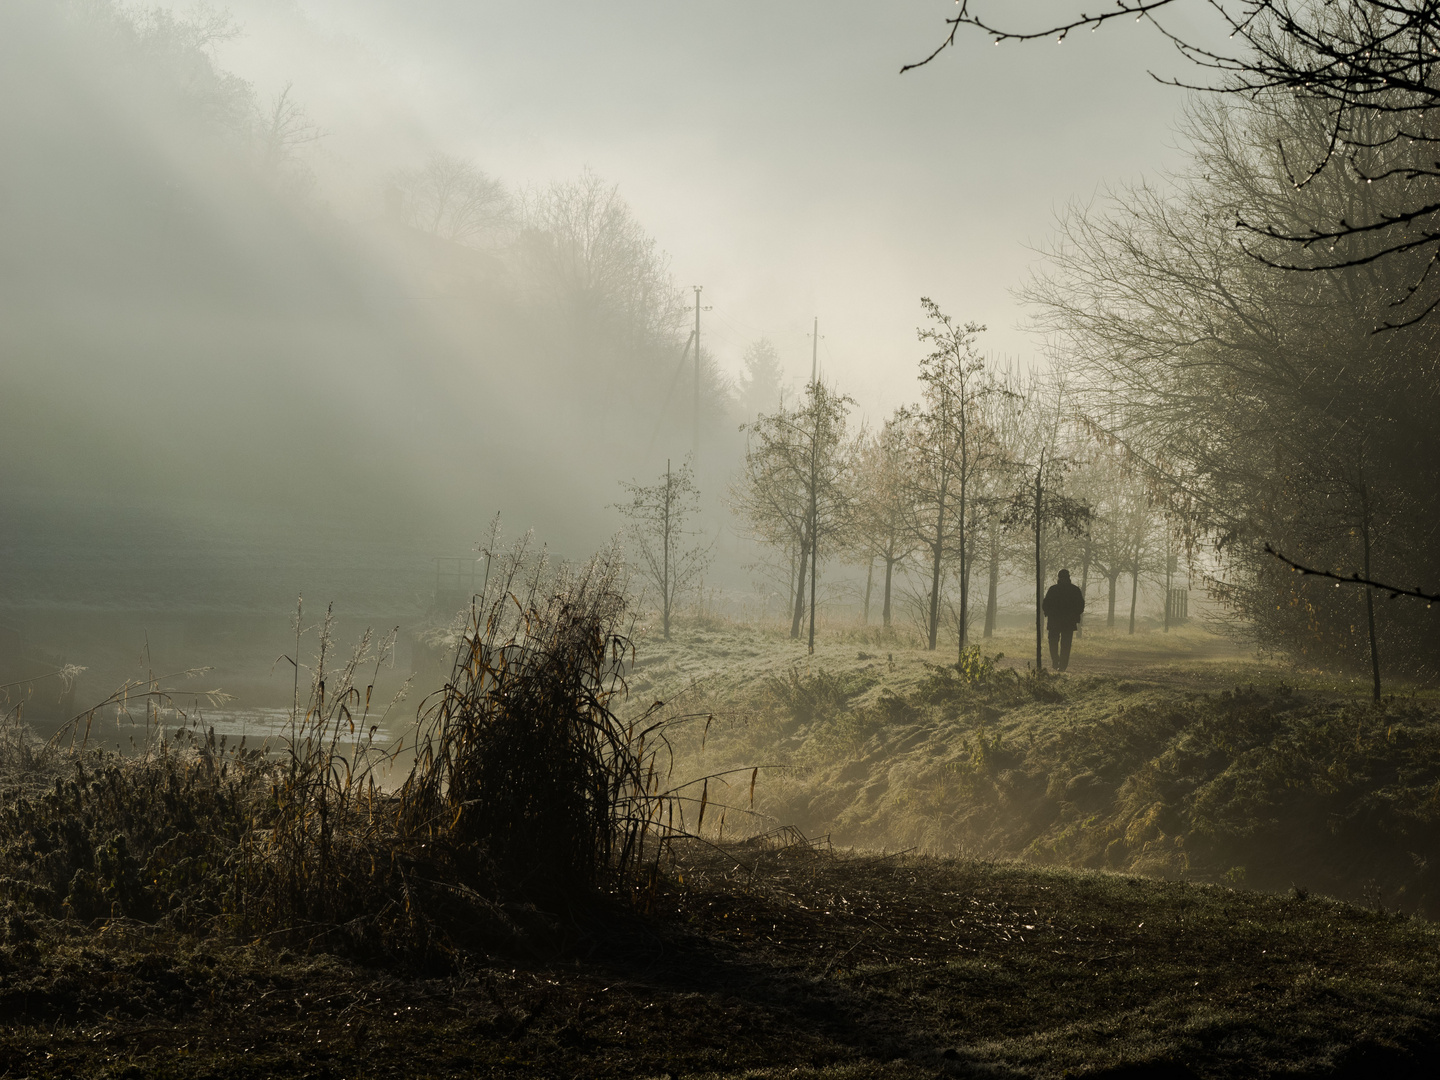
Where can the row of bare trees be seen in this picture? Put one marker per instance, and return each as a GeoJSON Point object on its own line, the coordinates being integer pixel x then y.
{"type": "Point", "coordinates": [1261, 403]}
{"type": "Point", "coordinates": [1259, 329]}
{"type": "Point", "coordinates": [987, 472]}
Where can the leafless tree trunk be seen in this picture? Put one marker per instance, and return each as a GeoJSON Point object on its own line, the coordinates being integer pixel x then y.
{"type": "Point", "coordinates": [992, 599]}
{"type": "Point", "coordinates": [798, 615]}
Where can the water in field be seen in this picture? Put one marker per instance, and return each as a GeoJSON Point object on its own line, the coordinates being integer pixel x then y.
{"type": "Point", "coordinates": [257, 727]}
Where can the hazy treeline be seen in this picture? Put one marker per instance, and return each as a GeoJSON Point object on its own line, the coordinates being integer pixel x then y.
{"type": "Point", "coordinates": [1264, 404]}
{"type": "Point", "coordinates": [185, 316]}
{"type": "Point", "coordinates": [189, 318]}
{"type": "Point", "coordinates": [991, 475]}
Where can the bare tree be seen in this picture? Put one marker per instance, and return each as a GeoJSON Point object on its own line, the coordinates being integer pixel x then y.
{"type": "Point", "coordinates": [452, 198]}
{"type": "Point", "coordinates": [1009, 420]}
{"type": "Point", "coordinates": [1121, 519]}
{"type": "Point", "coordinates": [1249, 398]}
{"type": "Point", "coordinates": [585, 250]}
{"type": "Point", "coordinates": [879, 508]}
{"type": "Point", "coordinates": [763, 381]}
{"type": "Point", "coordinates": [1042, 506]}
{"type": "Point", "coordinates": [948, 446]}
{"type": "Point", "coordinates": [1361, 506]}
{"type": "Point", "coordinates": [608, 311]}
{"type": "Point", "coordinates": [1141, 538]}
{"type": "Point", "coordinates": [1364, 69]}
{"type": "Point", "coordinates": [795, 489]}
{"type": "Point", "coordinates": [282, 130]}
{"type": "Point", "coordinates": [1038, 502]}
{"type": "Point", "coordinates": [659, 516]}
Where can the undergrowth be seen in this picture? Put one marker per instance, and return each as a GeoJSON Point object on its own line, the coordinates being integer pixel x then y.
{"type": "Point", "coordinates": [1266, 789]}
{"type": "Point", "coordinates": [525, 795]}
{"type": "Point", "coordinates": [811, 696]}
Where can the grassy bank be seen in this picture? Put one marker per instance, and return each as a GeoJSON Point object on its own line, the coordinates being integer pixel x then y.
{"type": "Point", "coordinates": [1178, 758]}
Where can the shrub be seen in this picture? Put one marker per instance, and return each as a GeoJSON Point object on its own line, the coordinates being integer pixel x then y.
{"type": "Point", "coordinates": [818, 696]}
{"type": "Point", "coordinates": [954, 682]}
{"type": "Point", "coordinates": [525, 788]}
{"type": "Point", "coordinates": [138, 839]}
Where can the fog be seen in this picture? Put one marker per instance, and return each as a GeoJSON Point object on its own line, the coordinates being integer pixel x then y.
{"type": "Point", "coordinates": [504, 501]}
{"type": "Point", "coordinates": [774, 151]}
{"type": "Point", "coordinates": [296, 296]}
{"type": "Point", "coordinates": [232, 373]}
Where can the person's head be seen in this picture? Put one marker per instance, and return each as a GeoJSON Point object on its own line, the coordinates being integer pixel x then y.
{"type": "Point", "coordinates": [1063, 577]}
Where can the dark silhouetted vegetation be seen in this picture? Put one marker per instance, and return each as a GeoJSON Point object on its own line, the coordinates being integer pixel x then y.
{"type": "Point", "coordinates": [524, 788]}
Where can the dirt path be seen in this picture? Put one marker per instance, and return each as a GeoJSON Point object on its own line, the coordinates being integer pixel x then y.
{"type": "Point", "coordinates": [1189, 659]}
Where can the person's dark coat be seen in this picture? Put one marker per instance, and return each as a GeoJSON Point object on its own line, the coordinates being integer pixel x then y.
{"type": "Point", "coordinates": [1064, 604]}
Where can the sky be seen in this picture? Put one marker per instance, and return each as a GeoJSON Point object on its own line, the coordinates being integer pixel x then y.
{"type": "Point", "coordinates": [773, 149]}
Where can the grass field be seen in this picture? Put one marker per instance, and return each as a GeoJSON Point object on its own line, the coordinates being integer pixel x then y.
{"type": "Point", "coordinates": [1129, 870]}
{"type": "Point", "coordinates": [761, 960]}
{"type": "Point", "coordinates": [1173, 755]}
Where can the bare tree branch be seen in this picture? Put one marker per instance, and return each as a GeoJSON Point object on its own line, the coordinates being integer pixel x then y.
{"type": "Point", "coordinates": [1355, 579]}
{"type": "Point", "coordinates": [1369, 68]}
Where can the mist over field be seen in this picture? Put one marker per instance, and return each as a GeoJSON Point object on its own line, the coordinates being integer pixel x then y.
{"type": "Point", "coordinates": [827, 540]}
{"type": "Point", "coordinates": [303, 298]}
{"type": "Point", "coordinates": [245, 358]}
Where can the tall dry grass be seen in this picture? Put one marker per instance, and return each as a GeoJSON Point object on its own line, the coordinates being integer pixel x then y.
{"type": "Point", "coordinates": [521, 759]}
{"type": "Point", "coordinates": [519, 788]}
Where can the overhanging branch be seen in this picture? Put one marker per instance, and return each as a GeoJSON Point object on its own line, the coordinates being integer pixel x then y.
{"type": "Point", "coordinates": [1355, 579]}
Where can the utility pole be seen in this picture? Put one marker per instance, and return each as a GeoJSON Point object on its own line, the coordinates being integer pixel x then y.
{"type": "Point", "coordinates": [696, 446]}
{"type": "Point", "coordinates": [815, 351]}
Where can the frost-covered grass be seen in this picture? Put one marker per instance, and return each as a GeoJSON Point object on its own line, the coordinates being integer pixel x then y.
{"type": "Point", "coordinates": [1174, 755]}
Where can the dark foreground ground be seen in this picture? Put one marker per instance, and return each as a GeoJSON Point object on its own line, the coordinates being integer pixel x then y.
{"type": "Point", "coordinates": [771, 960]}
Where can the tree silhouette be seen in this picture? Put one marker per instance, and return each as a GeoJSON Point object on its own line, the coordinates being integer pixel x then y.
{"type": "Point", "coordinates": [1365, 68]}
{"type": "Point", "coordinates": [658, 515]}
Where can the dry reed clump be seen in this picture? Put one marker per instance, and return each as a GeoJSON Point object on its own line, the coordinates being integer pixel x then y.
{"type": "Point", "coordinates": [525, 791]}
{"type": "Point", "coordinates": [521, 762]}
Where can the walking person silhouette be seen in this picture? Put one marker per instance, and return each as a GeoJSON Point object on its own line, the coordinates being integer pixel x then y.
{"type": "Point", "coordinates": [1063, 606]}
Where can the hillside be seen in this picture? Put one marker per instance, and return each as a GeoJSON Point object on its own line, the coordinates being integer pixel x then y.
{"type": "Point", "coordinates": [1176, 756]}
